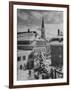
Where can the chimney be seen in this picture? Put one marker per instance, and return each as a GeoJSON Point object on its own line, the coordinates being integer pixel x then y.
{"type": "Point", "coordinates": [58, 32]}
{"type": "Point", "coordinates": [28, 30]}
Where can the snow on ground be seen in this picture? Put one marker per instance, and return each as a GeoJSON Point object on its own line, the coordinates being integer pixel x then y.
{"type": "Point", "coordinates": [24, 75]}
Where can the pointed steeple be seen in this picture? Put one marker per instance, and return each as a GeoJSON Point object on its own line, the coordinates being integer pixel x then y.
{"type": "Point", "coordinates": [42, 22]}
{"type": "Point", "coordinates": [42, 29]}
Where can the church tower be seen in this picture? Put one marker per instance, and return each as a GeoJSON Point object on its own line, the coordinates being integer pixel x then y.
{"type": "Point", "coordinates": [42, 29]}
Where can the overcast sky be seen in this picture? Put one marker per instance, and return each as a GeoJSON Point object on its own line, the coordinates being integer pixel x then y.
{"type": "Point", "coordinates": [32, 19]}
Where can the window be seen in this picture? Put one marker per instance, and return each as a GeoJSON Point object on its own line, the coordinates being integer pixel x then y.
{"type": "Point", "coordinates": [18, 58]}
{"type": "Point", "coordinates": [24, 57]}
{"type": "Point", "coordinates": [21, 67]}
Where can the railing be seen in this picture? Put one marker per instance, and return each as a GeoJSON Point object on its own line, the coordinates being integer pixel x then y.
{"type": "Point", "coordinates": [56, 74]}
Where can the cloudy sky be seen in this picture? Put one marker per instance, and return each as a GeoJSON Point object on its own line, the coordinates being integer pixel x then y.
{"type": "Point", "coordinates": [32, 19]}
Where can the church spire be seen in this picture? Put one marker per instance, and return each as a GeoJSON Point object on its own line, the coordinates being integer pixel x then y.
{"type": "Point", "coordinates": [42, 22]}
{"type": "Point", "coordinates": [42, 29]}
